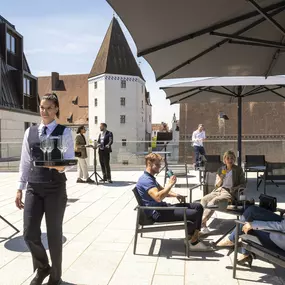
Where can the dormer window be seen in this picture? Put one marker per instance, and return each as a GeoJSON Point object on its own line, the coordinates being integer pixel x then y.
{"type": "Point", "coordinates": [27, 86]}
{"type": "Point", "coordinates": [70, 118]}
{"type": "Point", "coordinates": [10, 43]}
{"type": "Point", "coordinates": [75, 101]}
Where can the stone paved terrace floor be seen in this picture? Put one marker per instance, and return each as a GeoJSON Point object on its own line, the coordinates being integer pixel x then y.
{"type": "Point", "coordinates": [98, 242]}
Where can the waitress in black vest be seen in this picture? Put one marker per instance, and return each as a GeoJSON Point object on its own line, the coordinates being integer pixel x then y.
{"type": "Point", "coordinates": [46, 192]}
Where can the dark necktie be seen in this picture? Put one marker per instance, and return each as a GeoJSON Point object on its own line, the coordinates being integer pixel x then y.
{"type": "Point", "coordinates": [44, 133]}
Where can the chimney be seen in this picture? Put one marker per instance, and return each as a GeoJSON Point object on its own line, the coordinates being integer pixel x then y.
{"type": "Point", "coordinates": [54, 81]}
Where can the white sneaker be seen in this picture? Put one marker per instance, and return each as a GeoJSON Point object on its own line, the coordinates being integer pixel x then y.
{"type": "Point", "coordinates": [200, 246]}
{"type": "Point", "coordinates": [204, 231]}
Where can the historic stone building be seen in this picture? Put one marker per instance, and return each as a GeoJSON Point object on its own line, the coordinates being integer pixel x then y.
{"type": "Point", "coordinates": [263, 128]}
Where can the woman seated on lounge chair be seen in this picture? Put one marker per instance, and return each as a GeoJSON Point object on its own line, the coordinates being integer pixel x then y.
{"type": "Point", "coordinates": [230, 178]}
{"type": "Point", "coordinates": [258, 219]}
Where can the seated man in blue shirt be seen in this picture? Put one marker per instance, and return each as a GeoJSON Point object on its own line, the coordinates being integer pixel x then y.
{"type": "Point", "coordinates": [152, 194]}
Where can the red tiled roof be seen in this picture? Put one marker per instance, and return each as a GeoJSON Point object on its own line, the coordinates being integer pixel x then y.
{"type": "Point", "coordinates": [70, 87]}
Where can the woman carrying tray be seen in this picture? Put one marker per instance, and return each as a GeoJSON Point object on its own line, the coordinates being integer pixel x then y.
{"type": "Point", "coordinates": [46, 191]}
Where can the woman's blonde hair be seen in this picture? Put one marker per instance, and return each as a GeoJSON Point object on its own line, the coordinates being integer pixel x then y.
{"type": "Point", "coordinates": [229, 153]}
{"type": "Point", "coordinates": [152, 157]}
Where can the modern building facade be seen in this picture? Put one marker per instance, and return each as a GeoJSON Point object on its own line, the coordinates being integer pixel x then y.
{"type": "Point", "coordinates": [19, 99]}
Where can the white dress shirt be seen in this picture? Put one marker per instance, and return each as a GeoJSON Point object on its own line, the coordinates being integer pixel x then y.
{"type": "Point", "coordinates": [25, 162]}
{"type": "Point", "coordinates": [198, 137]}
{"type": "Point", "coordinates": [102, 136]}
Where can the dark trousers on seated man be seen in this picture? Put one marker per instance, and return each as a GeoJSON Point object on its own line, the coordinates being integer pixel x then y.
{"type": "Point", "coordinates": [104, 158]}
{"type": "Point", "coordinates": [194, 214]}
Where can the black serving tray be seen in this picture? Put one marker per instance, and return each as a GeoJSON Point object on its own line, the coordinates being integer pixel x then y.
{"type": "Point", "coordinates": [56, 162]}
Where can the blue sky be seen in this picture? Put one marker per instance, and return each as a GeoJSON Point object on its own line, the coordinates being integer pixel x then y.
{"type": "Point", "coordinates": [65, 36]}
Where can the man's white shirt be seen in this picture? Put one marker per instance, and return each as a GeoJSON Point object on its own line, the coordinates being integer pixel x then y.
{"type": "Point", "coordinates": [198, 137]}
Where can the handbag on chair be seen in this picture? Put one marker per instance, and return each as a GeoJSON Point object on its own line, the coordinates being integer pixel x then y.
{"type": "Point", "coordinates": [268, 202]}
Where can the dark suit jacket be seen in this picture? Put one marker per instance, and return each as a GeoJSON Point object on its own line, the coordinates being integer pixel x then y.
{"type": "Point", "coordinates": [108, 140]}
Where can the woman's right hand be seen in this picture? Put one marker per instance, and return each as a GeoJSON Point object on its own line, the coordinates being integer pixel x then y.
{"type": "Point", "coordinates": [18, 200]}
{"type": "Point", "coordinates": [222, 176]}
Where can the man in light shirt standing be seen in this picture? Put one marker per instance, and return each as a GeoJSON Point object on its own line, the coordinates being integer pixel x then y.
{"type": "Point", "coordinates": [198, 137]}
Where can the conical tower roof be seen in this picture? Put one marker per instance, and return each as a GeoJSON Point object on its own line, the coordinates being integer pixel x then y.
{"type": "Point", "coordinates": [115, 55]}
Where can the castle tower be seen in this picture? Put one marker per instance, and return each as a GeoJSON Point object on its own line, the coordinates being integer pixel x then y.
{"type": "Point", "coordinates": [118, 97]}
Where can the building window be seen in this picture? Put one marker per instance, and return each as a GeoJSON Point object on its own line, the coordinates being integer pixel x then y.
{"type": "Point", "coordinates": [96, 102]}
{"type": "Point", "coordinates": [95, 85]}
{"type": "Point", "coordinates": [122, 119]}
{"type": "Point", "coordinates": [27, 86]}
{"type": "Point", "coordinates": [70, 118]}
{"type": "Point", "coordinates": [75, 101]}
{"type": "Point", "coordinates": [123, 101]}
{"type": "Point", "coordinates": [142, 88]}
{"type": "Point", "coordinates": [10, 43]}
{"type": "Point", "coordinates": [96, 120]}
{"type": "Point", "coordinates": [142, 104]}
{"type": "Point", "coordinates": [124, 142]}
{"type": "Point", "coordinates": [142, 119]}
{"type": "Point", "coordinates": [123, 84]}
{"type": "Point", "coordinates": [149, 118]}
{"type": "Point", "coordinates": [26, 125]}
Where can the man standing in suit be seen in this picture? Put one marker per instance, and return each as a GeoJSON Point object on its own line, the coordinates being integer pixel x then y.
{"type": "Point", "coordinates": [105, 140]}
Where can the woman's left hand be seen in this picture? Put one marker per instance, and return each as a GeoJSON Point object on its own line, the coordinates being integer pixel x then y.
{"type": "Point", "coordinates": [246, 228]}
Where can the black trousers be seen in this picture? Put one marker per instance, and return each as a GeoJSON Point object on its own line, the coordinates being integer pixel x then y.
{"type": "Point", "coordinates": [48, 199]}
{"type": "Point", "coordinates": [194, 214]}
{"type": "Point", "coordinates": [199, 150]}
{"type": "Point", "coordinates": [104, 158]}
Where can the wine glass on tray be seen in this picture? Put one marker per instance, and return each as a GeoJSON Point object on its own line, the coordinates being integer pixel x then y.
{"type": "Point", "coordinates": [50, 147]}
{"type": "Point", "coordinates": [62, 145]}
{"type": "Point", "coordinates": [43, 146]}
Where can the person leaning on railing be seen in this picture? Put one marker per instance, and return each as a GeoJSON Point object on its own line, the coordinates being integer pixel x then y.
{"type": "Point", "coordinates": [153, 194]}
{"type": "Point", "coordinates": [230, 179]}
{"type": "Point", "coordinates": [198, 138]}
